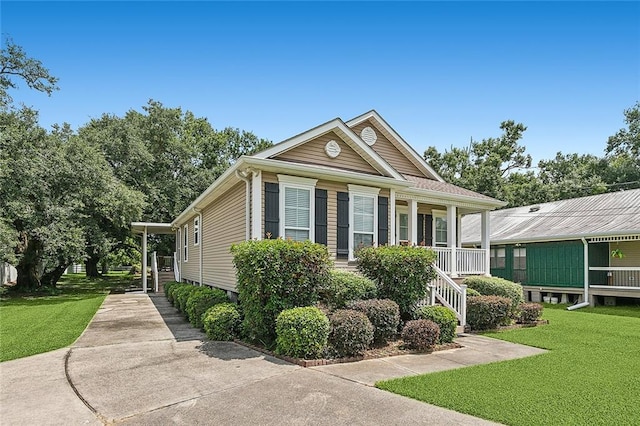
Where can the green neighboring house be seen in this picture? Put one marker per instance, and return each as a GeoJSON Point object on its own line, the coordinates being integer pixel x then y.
{"type": "Point", "coordinates": [581, 249]}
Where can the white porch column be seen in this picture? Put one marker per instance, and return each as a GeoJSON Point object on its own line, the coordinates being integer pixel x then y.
{"type": "Point", "coordinates": [256, 205]}
{"type": "Point", "coordinates": [452, 222]}
{"type": "Point", "coordinates": [485, 242]}
{"type": "Point", "coordinates": [392, 218]}
{"type": "Point", "coordinates": [144, 260]}
{"type": "Point", "coordinates": [413, 222]}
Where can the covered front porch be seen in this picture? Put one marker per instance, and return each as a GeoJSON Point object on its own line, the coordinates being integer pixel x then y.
{"type": "Point", "coordinates": [160, 265]}
{"type": "Point", "coordinates": [614, 267]}
{"type": "Point", "coordinates": [428, 222]}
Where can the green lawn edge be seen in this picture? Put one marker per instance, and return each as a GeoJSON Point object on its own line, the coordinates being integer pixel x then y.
{"type": "Point", "coordinates": [591, 375]}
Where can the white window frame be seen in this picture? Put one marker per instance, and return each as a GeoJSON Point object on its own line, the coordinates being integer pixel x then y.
{"type": "Point", "coordinates": [520, 250]}
{"type": "Point", "coordinates": [185, 247]}
{"type": "Point", "coordinates": [196, 231]}
{"type": "Point", "coordinates": [442, 214]}
{"type": "Point", "coordinates": [179, 245]}
{"type": "Point", "coordinates": [495, 255]}
{"type": "Point", "coordinates": [399, 211]}
{"type": "Point", "coordinates": [286, 181]}
{"type": "Point", "coordinates": [362, 191]}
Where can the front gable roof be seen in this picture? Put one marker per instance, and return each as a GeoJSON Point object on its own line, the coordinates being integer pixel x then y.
{"type": "Point", "coordinates": [397, 140]}
{"type": "Point", "coordinates": [346, 134]}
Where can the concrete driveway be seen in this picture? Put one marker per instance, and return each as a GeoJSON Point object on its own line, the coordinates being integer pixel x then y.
{"type": "Point", "coordinates": [140, 362]}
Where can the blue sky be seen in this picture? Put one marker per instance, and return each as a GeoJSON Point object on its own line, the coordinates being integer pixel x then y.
{"type": "Point", "coordinates": [440, 73]}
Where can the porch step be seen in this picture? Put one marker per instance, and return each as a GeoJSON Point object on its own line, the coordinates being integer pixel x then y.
{"type": "Point", "coordinates": [346, 265]}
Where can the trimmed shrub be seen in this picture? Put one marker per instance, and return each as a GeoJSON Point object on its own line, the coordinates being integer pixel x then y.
{"type": "Point", "coordinates": [351, 332]}
{"type": "Point", "coordinates": [496, 286]}
{"type": "Point", "coordinates": [471, 292]}
{"type": "Point", "coordinates": [222, 321]}
{"type": "Point", "coordinates": [344, 287]}
{"type": "Point", "coordinates": [487, 312]}
{"type": "Point", "coordinates": [200, 301]}
{"type": "Point", "coordinates": [167, 286]}
{"type": "Point", "coordinates": [444, 317]}
{"type": "Point", "coordinates": [384, 315]}
{"type": "Point", "coordinates": [530, 312]}
{"type": "Point", "coordinates": [274, 275]}
{"type": "Point", "coordinates": [172, 290]}
{"type": "Point", "coordinates": [420, 334]}
{"type": "Point", "coordinates": [302, 332]}
{"type": "Point", "coordinates": [402, 273]}
{"type": "Point", "coordinates": [182, 294]}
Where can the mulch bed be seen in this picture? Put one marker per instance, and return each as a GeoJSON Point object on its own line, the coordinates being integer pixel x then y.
{"type": "Point", "coordinates": [392, 348]}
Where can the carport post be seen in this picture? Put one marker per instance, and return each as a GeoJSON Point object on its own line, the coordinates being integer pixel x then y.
{"type": "Point", "coordinates": [144, 259]}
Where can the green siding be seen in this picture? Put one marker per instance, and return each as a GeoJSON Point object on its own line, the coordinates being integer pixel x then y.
{"type": "Point", "coordinates": [598, 256]}
{"type": "Point", "coordinates": [553, 264]}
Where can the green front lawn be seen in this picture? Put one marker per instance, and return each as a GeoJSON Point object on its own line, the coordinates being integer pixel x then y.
{"type": "Point", "coordinates": [33, 324]}
{"type": "Point", "coordinates": [591, 375]}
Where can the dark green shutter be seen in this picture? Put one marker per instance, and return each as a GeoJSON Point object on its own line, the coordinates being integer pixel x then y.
{"type": "Point", "coordinates": [420, 230]}
{"type": "Point", "coordinates": [271, 210]}
{"type": "Point", "coordinates": [321, 216]}
{"type": "Point", "coordinates": [428, 227]}
{"type": "Point", "coordinates": [343, 225]}
{"type": "Point", "coordinates": [383, 220]}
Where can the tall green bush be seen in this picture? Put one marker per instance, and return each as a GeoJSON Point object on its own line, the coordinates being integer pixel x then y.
{"type": "Point", "coordinates": [200, 301]}
{"type": "Point", "coordinates": [402, 273]}
{"type": "Point", "coordinates": [167, 287]}
{"type": "Point", "coordinates": [487, 312]}
{"type": "Point", "coordinates": [222, 321]}
{"type": "Point", "coordinates": [302, 332]}
{"type": "Point", "coordinates": [346, 286]}
{"type": "Point", "coordinates": [274, 275]}
{"type": "Point", "coordinates": [351, 332]}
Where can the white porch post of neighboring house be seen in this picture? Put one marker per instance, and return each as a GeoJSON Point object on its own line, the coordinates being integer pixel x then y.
{"type": "Point", "coordinates": [413, 221]}
{"type": "Point", "coordinates": [144, 260]}
{"type": "Point", "coordinates": [392, 217]}
{"type": "Point", "coordinates": [485, 242]}
{"type": "Point", "coordinates": [452, 222]}
{"type": "Point", "coordinates": [256, 205]}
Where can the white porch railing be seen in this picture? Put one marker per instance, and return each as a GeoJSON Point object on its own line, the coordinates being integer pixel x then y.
{"type": "Point", "coordinates": [154, 270]}
{"type": "Point", "coordinates": [469, 261]}
{"type": "Point", "coordinates": [617, 276]}
{"type": "Point", "coordinates": [449, 294]}
{"type": "Point", "coordinates": [176, 270]}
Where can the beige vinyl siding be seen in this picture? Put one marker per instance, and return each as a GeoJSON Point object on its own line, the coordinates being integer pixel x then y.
{"type": "Point", "coordinates": [224, 225]}
{"type": "Point", "coordinates": [631, 252]}
{"type": "Point", "coordinates": [389, 152]}
{"type": "Point", "coordinates": [190, 270]}
{"type": "Point", "coordinates": [312, 152]}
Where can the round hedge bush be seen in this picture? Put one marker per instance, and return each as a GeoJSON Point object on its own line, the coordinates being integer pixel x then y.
{"type": "Point", "coordinates": [302, 332]}
{"type": "Point", "coordinates": [530, 312]}
{"type": "Point", "coordinates": [496, 286]}
{"type": "Point", "coordinates": [351, 332]}
{"type": "Point", "coordinates": [420, 334]}
{"type": "Point", "coordinates": [200, 301]}
{"type": "Point", "coordinates": [345, 286]}
{"type": "Point", "coordinates": [472, 293]}
{"type": "Point", "coordinates": [444, 317]}
{"type": "Point", "coordinates": [222, 321]}
{"type": "Point", "coordinates": [181, 296]}
{"type": "Point", "coordinates": [171, 292]}
{"type": "Point", "coordinates": [487, 312]}
{"type": "Point", "coordinates": [167, 287]}
{"type": "Point", "coordinates": [384, 315]}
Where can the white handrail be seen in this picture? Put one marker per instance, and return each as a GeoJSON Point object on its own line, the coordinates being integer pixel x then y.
{"type": "Point", "coordinates": [450, 294]}
{"type": "Point", "coordinates": [154, 270]}
{"type": "Point", "coordinates": [176, 272]}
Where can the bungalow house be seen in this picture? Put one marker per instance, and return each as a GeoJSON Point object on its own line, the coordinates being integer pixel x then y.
{"type": "Point", "coordinates": [342, 184]}
{"type": "Point", "coordinates": [578, 250]}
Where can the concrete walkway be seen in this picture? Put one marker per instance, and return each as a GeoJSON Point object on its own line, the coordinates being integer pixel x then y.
{"type": "Point", "coordinates": [140, 362]}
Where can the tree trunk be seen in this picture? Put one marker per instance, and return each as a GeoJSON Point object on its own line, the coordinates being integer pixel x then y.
{"type": "Point", "coordinates": [52, 277]}
{"type": "Point", "coordinates": [91, 267]}
{"type": "Point", "coordinates": [28, 275]}
{"type": "Point", "coordinates": [104, 265]}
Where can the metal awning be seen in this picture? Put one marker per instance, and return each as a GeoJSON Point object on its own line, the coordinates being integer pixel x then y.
{"type": "Point", "coordinates": [151, 228]}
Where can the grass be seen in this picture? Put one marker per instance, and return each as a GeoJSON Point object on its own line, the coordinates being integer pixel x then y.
{"type": "Point", "coordinates": [591, 374]}
{"type": "Point", "coordinates": [35, 323]}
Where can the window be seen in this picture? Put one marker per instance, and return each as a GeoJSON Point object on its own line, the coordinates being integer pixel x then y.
{"type": "Point", "coordinates": [297, 205]}
{"type": "Point", "coordinates": [297, 213]}
{"type": "Point", "coordinates": [403, 227]}
{"type": "Point", "coordinates": [178, 242]}
{"type": "Point", "coordinates": [439, 229]}
{"type": "Point", "coordinates": [498, 257]}
{"type": "Point", "coordinates": [520, 258]}
{"type": "Point", "coordinates": [185, 234]}
{"type": "Point", "coordinates": [196, 231]}
{"type": "Point", "coordinates": [363, 220]}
